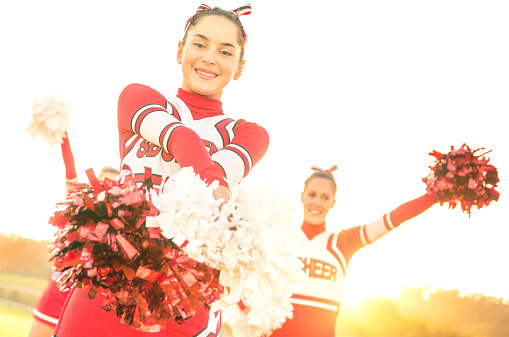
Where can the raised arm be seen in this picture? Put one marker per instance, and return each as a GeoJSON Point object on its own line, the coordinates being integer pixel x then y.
{"type": "Point", "coordinates": [248, 146]}
{"type": "Point", "coordinates": [412, 208]}
{"type": "Point", "coordinates": [353, 239]}
{"type": "Point", "coordinates": [70, 169]}
{"type": "Point", "coordinates": [143, 111]}
{"type": "Point", "coordinates": [406, 211]}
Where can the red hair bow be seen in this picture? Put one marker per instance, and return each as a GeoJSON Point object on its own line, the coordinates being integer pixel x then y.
{"type": "Point", "coordinates": [242, 10]}
{"type": "Point", "coordinates": [317, 168]}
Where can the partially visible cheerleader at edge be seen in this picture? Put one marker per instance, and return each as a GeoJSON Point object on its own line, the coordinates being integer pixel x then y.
{"type": "Point", "coordinates": [49, 306]}
{"type": "Point", "coordinates": [167, 134]}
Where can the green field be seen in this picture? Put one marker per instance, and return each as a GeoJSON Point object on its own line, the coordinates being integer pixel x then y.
{"type": "Point", "coordinates": [14, 322]}
{"type": "Point", "coordinates": [25, 281]}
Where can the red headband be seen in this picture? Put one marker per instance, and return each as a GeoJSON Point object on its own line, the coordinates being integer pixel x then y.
{"type": "Point", "coordinates": [316, 168]}
{"type": "Point", "coordinates": [242, 10]}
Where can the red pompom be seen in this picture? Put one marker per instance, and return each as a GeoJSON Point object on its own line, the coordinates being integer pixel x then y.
{"type": "Point", "coordinates": [461, 176]}
{"type": "Point", "coordinates": [103, 243]}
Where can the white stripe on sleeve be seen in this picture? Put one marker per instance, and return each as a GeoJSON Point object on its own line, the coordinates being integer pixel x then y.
{"type": "Point", "coordinates": [232, 164]}
{"type": "Point", "coordinates": [45, 317]}
{"type": "Point", "coordinates": [376, 229]}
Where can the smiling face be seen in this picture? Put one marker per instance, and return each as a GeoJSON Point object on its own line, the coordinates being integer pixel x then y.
{"type": "Point", "coordinates": [317, 200]}
{"type": "Point", "coordinates": [210, 57]}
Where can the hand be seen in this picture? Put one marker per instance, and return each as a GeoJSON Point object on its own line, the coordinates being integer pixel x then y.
{"type": "Point", "coordinates": [433, 195]}
{"type": "Point", "coordinates": [222, 192]}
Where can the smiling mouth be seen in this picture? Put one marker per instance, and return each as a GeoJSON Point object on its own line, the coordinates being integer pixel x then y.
{"type": "Point", "coordinates": [206, 74]}
{"type": "Point", "coordinates": [315, 212]}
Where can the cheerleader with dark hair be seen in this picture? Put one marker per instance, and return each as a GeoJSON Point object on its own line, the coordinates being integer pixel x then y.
{"type": "Point", "coordinates": [187, 130]}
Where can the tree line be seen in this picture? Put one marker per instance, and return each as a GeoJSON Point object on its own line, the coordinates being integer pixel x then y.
{"type": "Point", "coordinates": [420, 313]}
{"type": "Point", "coordinates": [24, 256]}
{"type": "Point", "coordinates": [416, 313]}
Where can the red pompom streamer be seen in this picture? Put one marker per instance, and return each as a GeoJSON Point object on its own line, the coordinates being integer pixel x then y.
{"type": "Point", "coordinates": [102, 243]}
{"type": "Point", "coordinates": [461, 176]}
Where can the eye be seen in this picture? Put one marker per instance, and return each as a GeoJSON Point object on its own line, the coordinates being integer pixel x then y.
{"type": "Point", "coordinates": [199, 45]}
{"type": "Point", "coordinates": [225, 52]}
{"type": "Point", "coordinates": [325, 197]}
{"type": "Point", "coordinates": [311, 194]}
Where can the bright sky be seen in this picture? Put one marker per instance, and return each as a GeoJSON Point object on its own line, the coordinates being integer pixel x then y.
{"type": "Point", "coordinates": [373, 86]}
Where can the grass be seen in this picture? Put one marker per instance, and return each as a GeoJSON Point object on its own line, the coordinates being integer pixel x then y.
{"type": "Point", "coordinates": [14, 322]}
{"type": "Point", "coordinates": [25, 281]}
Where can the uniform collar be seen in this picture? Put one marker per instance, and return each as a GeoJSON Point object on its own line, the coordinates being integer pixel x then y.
{"type": "Point", "coordinates": [199, 105]}
{"type": "Point", "coordinates": [312, 230]}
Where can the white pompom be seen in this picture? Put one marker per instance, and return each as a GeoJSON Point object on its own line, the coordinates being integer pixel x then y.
{"type": "Point", "coordinates": [50, 119]}
{"type": "Point", "coordinates": [251, 239]}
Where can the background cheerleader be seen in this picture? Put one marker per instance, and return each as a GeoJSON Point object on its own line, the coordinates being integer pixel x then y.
{"type": "Point", "coordinates": [326, 255]}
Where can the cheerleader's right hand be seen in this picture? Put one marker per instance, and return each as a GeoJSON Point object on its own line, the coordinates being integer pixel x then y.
{"type": "Point", "coordinates": [222, 192]}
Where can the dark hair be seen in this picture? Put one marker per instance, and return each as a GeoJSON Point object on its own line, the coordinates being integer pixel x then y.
{"type": "Point", "coordinates": [241, 36]}
{"type": "Point", "coordinates": [322, 174]}
{"type": "Point", "coordinates": [109, 169]}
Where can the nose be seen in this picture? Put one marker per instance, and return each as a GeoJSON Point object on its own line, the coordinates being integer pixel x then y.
{"type": "Point", "coordinates": [316, 202]}
{"type": "Point", "coordinates": [208, 56]}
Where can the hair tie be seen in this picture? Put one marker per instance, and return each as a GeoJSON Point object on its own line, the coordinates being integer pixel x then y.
{"type": "Point", "coordinates": [242, 10]}
{"type": "Point", "coordinates": [200, 8]}
{"type": "Point", "coordinates": [317, 168]}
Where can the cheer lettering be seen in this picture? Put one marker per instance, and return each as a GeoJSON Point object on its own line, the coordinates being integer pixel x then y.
{"type": "Point", "coordinates": [319, 269]}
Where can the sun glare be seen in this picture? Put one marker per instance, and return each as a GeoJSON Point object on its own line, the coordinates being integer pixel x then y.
{"type": "Point", "coordinates": [360, 286]}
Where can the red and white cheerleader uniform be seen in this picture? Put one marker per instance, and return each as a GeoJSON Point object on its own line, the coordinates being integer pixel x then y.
{"type": "Point", "coordinates": [326, 256]}
{"type": "Point", "coordinates": [165, 135]}
{"type": "Point", "coordinates": [52, 300]}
